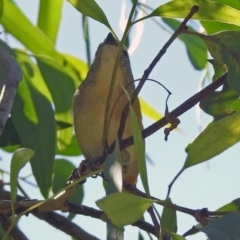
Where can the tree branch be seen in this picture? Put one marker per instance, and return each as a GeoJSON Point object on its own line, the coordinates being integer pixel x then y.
{"type": "Point", "coordinates": [94, 164]}
{"type": "Point", "coordinates": [147, 72]}
{"type": "Point", "coordinates": [12, 78]}
{"type": "Point", "coordinates": [65, 225]}
{"type": "Point", "coordinates": [15, 233]}
{"type": "Point", "coordinates": [54, 219]}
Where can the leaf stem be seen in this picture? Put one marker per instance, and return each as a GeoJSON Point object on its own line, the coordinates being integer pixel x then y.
{"type": "Point", "coordinates": [113, 79]}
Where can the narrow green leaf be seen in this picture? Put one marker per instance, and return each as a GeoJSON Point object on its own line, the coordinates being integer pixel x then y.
{"type": "Point", "coordinates": [64, 138]}
{"type": "Point", "coordinates": [215, 138]}
{"type": "Point", "coordinates": [208, 10]}
{"type": "Point", "coordinates": [124, 208]}
{"type": "Point", "coordinates": [196, 48]}
{"type": "Point", "coordinates": [223, 47]}
{"type": "Point", "coordinates": [224, 228]}
{"type": "Point", "coordinates": [169, 218]}
{"type": "Point", "coordinates": [140, 150]}
{"type": "Point", "coordinates": [232, 206]}
{"type": "Point", "coordinates": [174, 236]}
{"type": "Point", "coordinates": [23, 30]}
{"type": "Point", "coordinates": [49, 17]}
{"type": "Point", "coordinates": [19, 159]}
{"type": "Point", "coordinates": [140, 236]}
{"type": "Point", "coordinates": [90, 8]}
{"type": "Point", "coordinates": [149, 110]}
{"type": "Point", "coordinates": [2, 234]}
{"type": "Point", "coordinates": [39, 135]}
{"type": "Point", "coordinates": [85, 27]}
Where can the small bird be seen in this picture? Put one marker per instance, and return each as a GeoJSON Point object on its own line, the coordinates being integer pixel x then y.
{"type": "Point", "coordinates": [89, 105]}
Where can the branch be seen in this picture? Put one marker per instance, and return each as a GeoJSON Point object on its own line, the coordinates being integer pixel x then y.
{"type": "Point", "coordinates": [184, 107]}
{"type": "Point", "coordinates": [90, 165]}
{"type": "Point", "coordinates": [15, 233]}
{"type": "Point", "coordinates": [152, 65]}
{"type": "Point", "coordinates": [98, 214]}
{"type": "Point", "coordinates": [93, 164]}
{"type": "Point", "coordinates": [9, 89]}
{"type": "Point", "coordinates": [54, 219]}
{"type": "Point", "coordinates": [65, 225]}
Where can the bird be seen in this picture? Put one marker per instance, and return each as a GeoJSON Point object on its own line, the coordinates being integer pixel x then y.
{"type": "Point", "coordinates": [89, 106]}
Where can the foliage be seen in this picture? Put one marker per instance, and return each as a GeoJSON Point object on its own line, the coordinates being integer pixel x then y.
{"type": "Point", "coordinates": [41, 116]}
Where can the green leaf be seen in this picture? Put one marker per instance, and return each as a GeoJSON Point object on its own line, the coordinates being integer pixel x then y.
{"type": "Point", "coordinates": [60, 82]}
{"type": "Point", "coordinates": [208, 10]}
{"type": "Point", "coordinates": [24, 31]}
{"type": "Point", "coordinates": [220, 135]}
{"type": "Point", "coordinates": [71, 149]}
{"type": "Point", "coordinates": [219, 69]}
{"type": "Point", "coordinates": [63, 125]}
{"type": "Point", "coordinates": [90, 8]}
{"type": "Point", "coordinates": [174, 236]}
{"type": "Point", "coordinates": [124, 208]}
{"type": "Point", "coordinates": [64, 138]}
{"type": "Point", "coordinates": [49, 17]}
{"type": "Point", "coordinates": [224, 228]}
{"type": "Point", "coordinates": [169, 218]}
{"type": "Point", "coordinates": [85, 27]}
{"type": "Point", "coordinates": [19, 159]}
{"type": "Point", "coordinates": [213, 27]}
{"type": "Point", "coordinates": [222, 103]}
{"type": "Point", "coordinates": [139, 149]}
{"type": "Point", "coordinates": [3, 232]}
{"type": "Point", "coordinates": [62, 170]}
{"type": "Point", "coordinates": [39, 135]}
{"type": "Point", "coordinates": [223, 47]}
{"type": "Point", "coordinates": [196, 48]}
{"type": "Point", "coordinates": [32, 70]}
{"type": "Point", "coordinates": [232, 206]}
{"type": "Point", "coordinates": [231, 3]}
{"type": "Point", "coordinates": [148, 110]}
{"type": "Point", "coordinates": [79, 66]}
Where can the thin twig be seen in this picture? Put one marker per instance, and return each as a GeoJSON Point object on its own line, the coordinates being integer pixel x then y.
{"type": "Point", "coordinates": [184, 107]}
{"type": "Point", "coordinates": [65, 225]}
{"type": "Point", "coordinates": [152, 65]}
{"type": "Point", "coordinates": [15, 233]}
{"type": "Point", "coordinates": [154, 127]}
{"type": "Point", "coordinates": [55, 220]}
